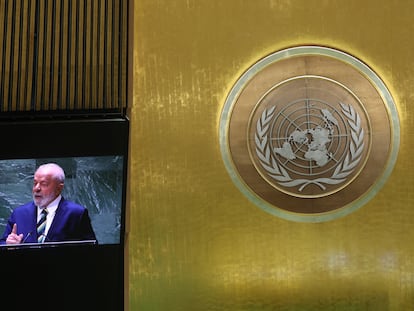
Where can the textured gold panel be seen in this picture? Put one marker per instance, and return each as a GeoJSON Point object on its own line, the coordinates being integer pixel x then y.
{"type": "Point", "coordinates": [195, 242]}
{"type": "Point", "coordinates": [63, 55]}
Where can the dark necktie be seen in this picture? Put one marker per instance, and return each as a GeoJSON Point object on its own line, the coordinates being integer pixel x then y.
{"type": "Point", "coordinates": [41, 225]}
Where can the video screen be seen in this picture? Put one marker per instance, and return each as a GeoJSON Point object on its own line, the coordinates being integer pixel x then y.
{"type": "Point", "coordinates": [94, 182]}
{"type": "Point", "coordinates": [93, 155]}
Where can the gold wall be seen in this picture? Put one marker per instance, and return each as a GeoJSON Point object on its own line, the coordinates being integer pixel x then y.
{"type": "Point", "coordinates": [195, 241]}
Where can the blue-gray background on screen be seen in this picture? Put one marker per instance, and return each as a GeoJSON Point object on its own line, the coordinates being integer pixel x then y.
{"type": "Point", "coordinates": [94, 182]}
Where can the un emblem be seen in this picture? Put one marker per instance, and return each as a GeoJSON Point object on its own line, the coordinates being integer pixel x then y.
{"type": "Point", "coordinates": [309, 133]}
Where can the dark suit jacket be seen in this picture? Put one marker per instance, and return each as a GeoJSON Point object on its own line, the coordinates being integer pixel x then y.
{"type": "Point", "coordinates": [71, 223]}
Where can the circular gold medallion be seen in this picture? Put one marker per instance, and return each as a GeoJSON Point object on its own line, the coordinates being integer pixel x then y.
{"type": "Point", "coordinates": [309, 133]}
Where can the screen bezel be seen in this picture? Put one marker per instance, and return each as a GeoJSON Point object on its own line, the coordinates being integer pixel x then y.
{"type": "Point", "coordinates": [39, 139]}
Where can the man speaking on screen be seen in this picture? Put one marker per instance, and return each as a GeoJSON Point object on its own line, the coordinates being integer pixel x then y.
{"type": "Point", "coordinates": [49, 217]}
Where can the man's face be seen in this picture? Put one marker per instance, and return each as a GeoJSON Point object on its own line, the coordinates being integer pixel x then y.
{"type": "Point", "coordinates": [45, 187]}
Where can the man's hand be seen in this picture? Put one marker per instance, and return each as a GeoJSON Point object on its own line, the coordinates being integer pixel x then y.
{"type": "Point", "coordinates": [13, 237]}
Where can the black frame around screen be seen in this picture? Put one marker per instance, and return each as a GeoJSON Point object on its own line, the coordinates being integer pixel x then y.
{"type": "Point", "coordinates": [71, 276]}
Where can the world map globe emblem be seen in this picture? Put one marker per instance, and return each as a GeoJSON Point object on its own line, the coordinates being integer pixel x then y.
{"type": "Point", "coordinates": [310, 147]}
{"type": "Point", "coordinates": [309, 133]}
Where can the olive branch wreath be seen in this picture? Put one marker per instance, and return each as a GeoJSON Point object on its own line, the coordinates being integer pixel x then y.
{"type": "Point", "coordinates": [280, 174]}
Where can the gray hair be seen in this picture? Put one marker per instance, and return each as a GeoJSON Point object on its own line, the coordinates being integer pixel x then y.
{"type": "Point", "coordinates": [57, 172]}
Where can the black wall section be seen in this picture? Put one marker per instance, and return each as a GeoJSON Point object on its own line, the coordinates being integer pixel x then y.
{"type": "Point", "coordinates": [65, 278]}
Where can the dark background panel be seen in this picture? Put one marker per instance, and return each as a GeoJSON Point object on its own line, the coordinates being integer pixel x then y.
{"type": "Point", "coordinates": [63, 278]}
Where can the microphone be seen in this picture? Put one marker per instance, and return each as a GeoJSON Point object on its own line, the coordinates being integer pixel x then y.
{"type": "Point", "coordinates": [27, 236]}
